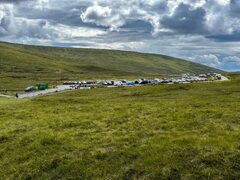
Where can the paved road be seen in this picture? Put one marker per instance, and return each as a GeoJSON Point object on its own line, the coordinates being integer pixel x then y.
{"type": "Point", "coordinates": [6, 96]}
{"type": "Point", "coordinates": [60, 88]}
{"type": "Point", "coordinates": [224, 78]}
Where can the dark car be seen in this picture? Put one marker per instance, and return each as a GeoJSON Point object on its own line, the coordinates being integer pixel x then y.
{"type": "Point", "coordinates": [29, 89]}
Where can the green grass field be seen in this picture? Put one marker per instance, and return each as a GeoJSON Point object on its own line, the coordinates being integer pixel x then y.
{"type": "Point", "coordinates": [154, 132]}
{"type": "Point", "coordinates": [22, 65]}
{"type": "Point", "coordinates": [185, 131]}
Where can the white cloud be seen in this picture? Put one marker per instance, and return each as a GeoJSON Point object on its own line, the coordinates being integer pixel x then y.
{"type": "Point", "coordinates": [117, 14]}
{"type": "Point", "coordinates": [223, 2]}
{"type": "Point", "coordinates": [102, 16]}
{"type": "Point", "coordinates": [20, 27]}
{"type": "Point", "coordinates": [227, 63]}
{"type": "Point", "coordinates": [209, 60]}
{"type": "Point", "coordinates": [231, 63]}
{"type": "Point", "coordinates": [66, 32]}
{"type": "Point", "coordinates": [232, 59]}
{"type": "Point", "coordinates": [41, 4]}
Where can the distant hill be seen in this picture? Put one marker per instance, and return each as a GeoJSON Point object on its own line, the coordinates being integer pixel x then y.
{"type": "Point", "coordinates": [23, 65]}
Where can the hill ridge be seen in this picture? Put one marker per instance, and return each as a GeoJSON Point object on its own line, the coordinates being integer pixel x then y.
{"type": "Point", "coordinates": [22, 65]}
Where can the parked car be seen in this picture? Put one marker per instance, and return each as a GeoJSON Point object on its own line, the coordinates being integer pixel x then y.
{"type": "Point", "coordinates": [29, 89]}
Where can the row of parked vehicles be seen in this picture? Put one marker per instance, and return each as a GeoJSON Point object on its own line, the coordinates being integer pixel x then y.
{"type": "Point", "coordinates": [184, 78]}
{"type": "Point", "coordinates": [142, 81]}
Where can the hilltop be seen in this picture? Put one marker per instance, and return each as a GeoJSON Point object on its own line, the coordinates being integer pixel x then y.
{"type": "Point", "coordinates": [23, 65]}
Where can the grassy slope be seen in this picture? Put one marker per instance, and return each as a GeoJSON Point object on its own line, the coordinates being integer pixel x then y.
{"type": "Point", "coordinates": [25, 65]}
{"type": "Point", "coordinates": [157, 132]}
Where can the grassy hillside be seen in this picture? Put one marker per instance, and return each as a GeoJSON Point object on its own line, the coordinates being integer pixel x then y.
{"type": "Point", "coordinates": [23, 65]}
{"type": "Point", "coordinates": [154, 132]}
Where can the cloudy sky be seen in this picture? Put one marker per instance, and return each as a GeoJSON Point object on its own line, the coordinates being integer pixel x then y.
{"type": "Point", "coordinates": [204, 31]}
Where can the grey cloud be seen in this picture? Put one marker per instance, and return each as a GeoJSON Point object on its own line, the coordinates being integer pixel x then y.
{"type": "Point", "coordinates": [138, 26]}
{"type": "Point", "coordinates": [67, 15]}
{"type": "Point", "coordinates": [34, 30]}
{"type": "Point", "coordinates": [225, 37]}
{"type": "Point", "coordinates": [12, 1]}
{"type": "Point", "coordinates": [186, 20]}
{"type": "Point", "coordinates": [235, 7]}
{"type": "Point", "coordinates": [10, 26]}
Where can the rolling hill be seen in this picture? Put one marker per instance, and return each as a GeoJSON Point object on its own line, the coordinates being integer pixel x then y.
{"type": "Point", "coordinates": [23, 65]}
